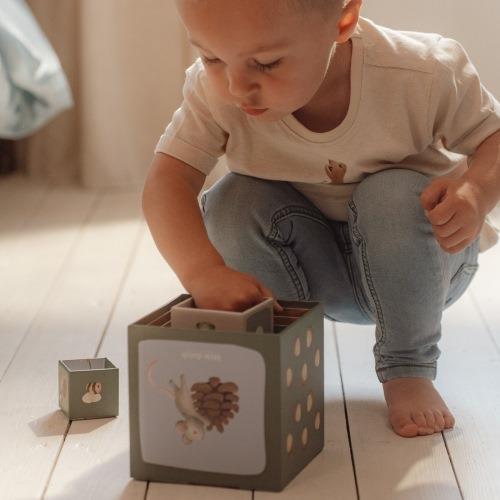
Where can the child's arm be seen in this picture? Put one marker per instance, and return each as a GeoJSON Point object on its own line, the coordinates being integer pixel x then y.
{"type": "Point", "coordinates": [171, 209]}
{"type": "Point", "coordinates": [457, 208]}
{"type": "Point", "coordinates": [484, 170]}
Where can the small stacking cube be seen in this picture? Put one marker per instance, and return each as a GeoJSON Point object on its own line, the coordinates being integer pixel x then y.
{"type": "Point", "coordinates": [88, 388]}
{"type": "Point", "coordinates": [226, 407]}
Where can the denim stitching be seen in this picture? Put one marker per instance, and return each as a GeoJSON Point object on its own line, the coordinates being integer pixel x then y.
{"type": "Point", "coordinates": [350, 265]}
{"type": "Point", "coordinates": [410, 365]}
{"type": "Point", "coordinates": [291, 271]}
{"type": "Point", "coordinates": [371, 288]}
{"type": "Point", "coordinates": [381, 371]}
{"type": "Point", "coordinates": [274, 232]}
{"type": "Point", "coordinates": [347, 243]}
{"type": "Point", "coordinates": [360, 301]}
{"type": "Point", "coordinates": [294, 210]}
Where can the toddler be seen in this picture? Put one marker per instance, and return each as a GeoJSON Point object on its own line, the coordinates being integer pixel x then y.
{"type": "Point", "coordinates": [364, 169]}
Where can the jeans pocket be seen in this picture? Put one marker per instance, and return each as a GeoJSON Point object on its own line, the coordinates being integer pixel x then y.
{"type": "Point", "coordinates": [460, 282]}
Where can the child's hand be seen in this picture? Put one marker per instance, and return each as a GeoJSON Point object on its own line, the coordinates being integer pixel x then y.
{"type": "Point", "coordinates": [225, 289]}
{"type": "Point", "coordinates": [455, 210]}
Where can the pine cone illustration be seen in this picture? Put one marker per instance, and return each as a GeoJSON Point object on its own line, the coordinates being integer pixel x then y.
{"type": "Point", "coordinates": [216, 401]}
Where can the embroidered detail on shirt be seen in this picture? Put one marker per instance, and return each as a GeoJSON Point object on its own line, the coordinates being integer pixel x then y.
{"type": "Point", "coordinates": [335, 171]}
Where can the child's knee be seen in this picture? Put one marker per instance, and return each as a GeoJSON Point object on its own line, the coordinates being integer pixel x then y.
{"type": "Point", "coordinates": [232, 196]}
{"type": "Point", "coordinates": [392, 194]}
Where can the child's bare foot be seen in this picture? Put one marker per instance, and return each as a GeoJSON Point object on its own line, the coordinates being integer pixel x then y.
{"type": "Point", "coordinates": [415, 407]}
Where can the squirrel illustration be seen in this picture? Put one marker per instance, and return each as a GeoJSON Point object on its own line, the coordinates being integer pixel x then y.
{"type": "Point", "coordinates": [336, 172]}
{"type": "Point", "coordinates": [192, 428]}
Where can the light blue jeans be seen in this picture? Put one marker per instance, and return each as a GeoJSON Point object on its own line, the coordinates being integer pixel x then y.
{"type": "Point", "coordinates": [383, 267]}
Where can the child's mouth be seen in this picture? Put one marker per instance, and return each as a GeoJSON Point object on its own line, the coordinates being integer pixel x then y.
{"type": "Point", "coordinates": [254, 111]}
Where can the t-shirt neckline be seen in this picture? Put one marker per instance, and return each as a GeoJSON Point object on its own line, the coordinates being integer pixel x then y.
{"type": "Point", "coordinates": [292, 123]}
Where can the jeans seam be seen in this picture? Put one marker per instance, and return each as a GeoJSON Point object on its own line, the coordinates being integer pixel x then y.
{"type": "Point", "coordinates": [409, 365]}
{"type": "Point", "coordinates": [356, 294]}
{"type": "Point", "coordinates": [350, 264]}
{"type": "Point", "coordinates": [274, 231]}
{"type": "Point", "coordinates": [291, 271]}
{"type": "Point", "coordinates": [293, 210]}
{"type": "Point", "coordinates": [369, 280]}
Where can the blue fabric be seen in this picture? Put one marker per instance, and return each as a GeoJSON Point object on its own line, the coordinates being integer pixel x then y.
{"type": "Point", "coordinates": [33, 86]}
{"type": "Point", "coordinates": [382, 267]}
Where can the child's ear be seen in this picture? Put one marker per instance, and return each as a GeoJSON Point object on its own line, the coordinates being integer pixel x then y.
{"type": "Point", "coordinates": [348, 20]}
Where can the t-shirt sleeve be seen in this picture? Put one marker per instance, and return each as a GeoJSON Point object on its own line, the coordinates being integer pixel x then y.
{"type": "Point", "coordinates": [462, 112]}
{"type": "Point", "coordinates": [193, 135]}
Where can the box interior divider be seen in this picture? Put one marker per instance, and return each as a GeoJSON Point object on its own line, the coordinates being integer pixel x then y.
{"type": "Point", "coordinates": [291, 312]}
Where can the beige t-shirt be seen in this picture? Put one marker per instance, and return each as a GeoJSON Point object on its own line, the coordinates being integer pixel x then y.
{"type": "Point", "coordinates": [411, 93]}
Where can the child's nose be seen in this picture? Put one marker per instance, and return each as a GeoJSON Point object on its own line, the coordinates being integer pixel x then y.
{"type": "Point", "coordinates": [241, 86]}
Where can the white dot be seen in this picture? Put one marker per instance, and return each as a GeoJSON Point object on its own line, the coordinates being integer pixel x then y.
{"type": "Point", "coordinates": [309, 337]}
{"type": "Point", "coordinates": [289, 443]}
{"type": "Point", "coordinates": [297, 347]}
{"type": "Point", "coordinates": [317, 421]}
{"type": "Point", "coordinates": [289, 376]}
{"type": "Point", "coordinates": [298, 413]}
{"type": "Point", "coordinates": [309, 402]}
{"type": "Point", "coordinates": [317, 357]}
{"type": "Point", "coordinates": [304, 436]}
{"type": "Point", "coordinates": [304, 372]}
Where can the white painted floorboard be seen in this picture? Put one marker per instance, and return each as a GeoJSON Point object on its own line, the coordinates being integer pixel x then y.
{"type": "Point", "coordinates": [77, 267]}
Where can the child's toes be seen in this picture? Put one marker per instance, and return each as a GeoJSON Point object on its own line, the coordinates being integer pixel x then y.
{"type": "Point", "coordinates": [449, 420]}
{"type": "Point", "coordinates": [419, 418]}
{"type": "Point", "coordinates": [439, 419]}
{"type": "Point", "coordinates": [403, 424]}
{"type": "Point", "coordinates": [431, 421]}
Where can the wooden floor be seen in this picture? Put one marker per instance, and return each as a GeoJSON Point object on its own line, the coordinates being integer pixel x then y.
{"type": "Point", "coordinates": [76, 267]}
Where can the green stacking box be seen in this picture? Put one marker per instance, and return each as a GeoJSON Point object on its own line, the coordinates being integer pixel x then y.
{"type": "Point", "coordinates": [241, 409]}
{"type": "Point", "coordinates": [88, 388]}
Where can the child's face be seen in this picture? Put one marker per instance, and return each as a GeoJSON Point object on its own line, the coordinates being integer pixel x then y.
{"type": "Point", "coordinates": [234, 36]}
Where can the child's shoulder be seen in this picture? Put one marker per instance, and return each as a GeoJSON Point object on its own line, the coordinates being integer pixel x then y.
{"type": "Point", "coordinates": [196, 84]}
{"type": "Point", "coordinates": [391, 48]}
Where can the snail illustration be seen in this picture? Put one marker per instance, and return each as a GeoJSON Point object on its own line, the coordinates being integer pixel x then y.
{"type": "Point", "coordinates": [210, 405]}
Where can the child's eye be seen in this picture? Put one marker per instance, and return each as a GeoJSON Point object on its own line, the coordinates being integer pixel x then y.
{"type": "Point", "coordinates": [260, 67]}
{"type": "Point", "coordinates": [268, 67]}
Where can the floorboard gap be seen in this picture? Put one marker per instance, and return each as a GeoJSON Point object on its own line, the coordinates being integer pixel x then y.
{"type": "Point", "coordinates": [51, 473]}
{"type": "Point", "coordinates": [452, 466]}
{"type": "Point", "coordinates": [345, 410]}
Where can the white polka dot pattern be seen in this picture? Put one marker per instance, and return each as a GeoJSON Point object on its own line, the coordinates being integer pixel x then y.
{"type": "Point", "coordinates": [298, 413]}
{"type": "Point", "coordinates": [309, 401]}
{"type": "Point", "coordinates": [304, 436]}
{"type": "Point", "coordinates": [297, 348]}
{"type": "Point", "coordinates": [304, 372]}
{"type": "Point", "coordinates": [317, 357]}
{"type": "Point", "coordinates": [317, 421]}
{"type": "Point", "coordinates": [309, 337]}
